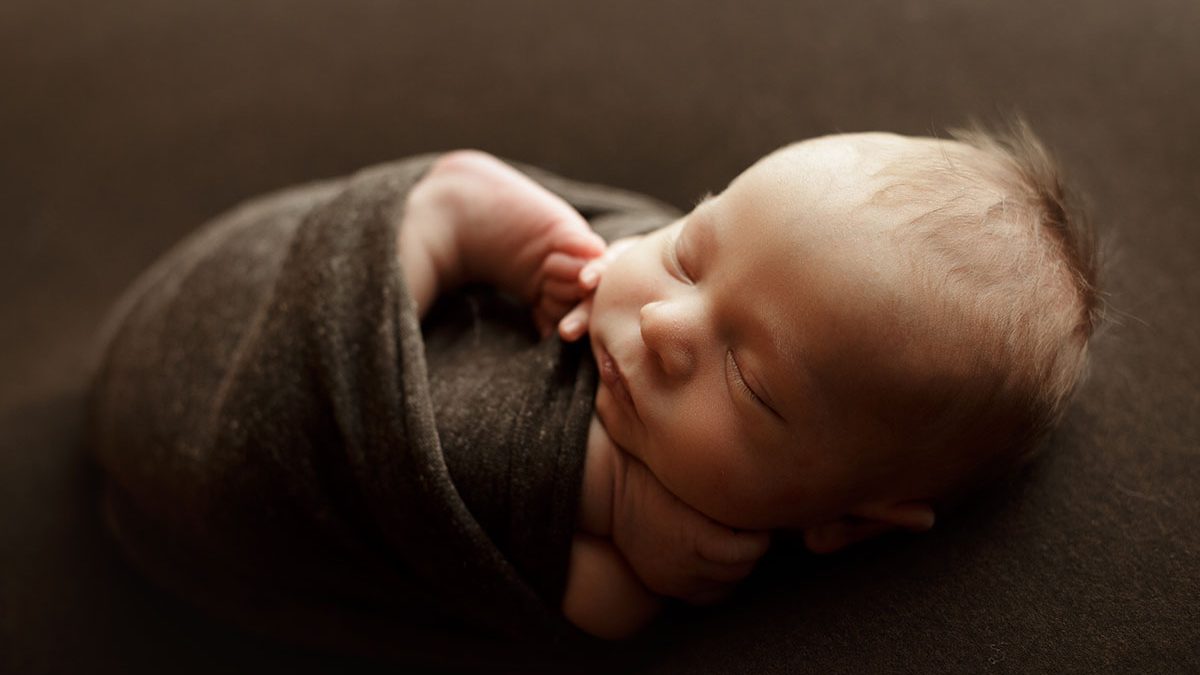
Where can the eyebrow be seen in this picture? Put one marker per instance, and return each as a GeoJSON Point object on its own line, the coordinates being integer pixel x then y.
{"type": "Point", "coordinates": [700, 221]}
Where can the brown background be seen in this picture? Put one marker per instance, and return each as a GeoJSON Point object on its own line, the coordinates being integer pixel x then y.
{"type": "Point", "coordinates": [128, 123]}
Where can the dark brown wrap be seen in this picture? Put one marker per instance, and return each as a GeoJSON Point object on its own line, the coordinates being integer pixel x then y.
{"type": "Point", "coordinates": [285, 447]}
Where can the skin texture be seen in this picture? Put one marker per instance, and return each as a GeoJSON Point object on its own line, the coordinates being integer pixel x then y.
{"type": "Point", "coordinates": [755, 348]}
{"type": "Point", "coordinates": [748, 352]}
{"type": "Point", "coordinates": [474, 219]}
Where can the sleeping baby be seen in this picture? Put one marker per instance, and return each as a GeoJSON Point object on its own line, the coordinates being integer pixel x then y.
{"type": "Point", "coordinates": [845, 341]}
{"type": "Point", "coordinates": [851, 338]}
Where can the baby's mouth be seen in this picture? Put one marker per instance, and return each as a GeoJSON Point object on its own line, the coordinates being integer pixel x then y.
{"type": "Point", "coordinates": [610, 374]}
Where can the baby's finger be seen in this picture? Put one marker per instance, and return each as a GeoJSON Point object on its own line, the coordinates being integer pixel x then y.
{"type": "Point", "coordinates": [565, 291]}
{"type": "Point", "coordinates": [589, 276]}
{"type": "Point", "coordinates": [575, 323]}
{"type": "Point", "coordinates": [553, 308]}
{"type": "Point", "coordinates": [548, 311]}
{"type": "Point", "coordinates": [545, 324]}
{"type": "Point", "coordinates": [725, 546]}
{"type": "Point", "coordinates": [580, 241]}
{"type": "Point", "coordinates": [559, 265]}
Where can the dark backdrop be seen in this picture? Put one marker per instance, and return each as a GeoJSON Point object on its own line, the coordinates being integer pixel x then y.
{"type": "Point", "coordinates": [127, 123]}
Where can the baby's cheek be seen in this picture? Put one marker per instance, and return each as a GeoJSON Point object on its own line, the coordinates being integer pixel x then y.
{"type": "Point", "coordinates": [705, 457]}
{"type": "Point", "coordinates": [622, 427]}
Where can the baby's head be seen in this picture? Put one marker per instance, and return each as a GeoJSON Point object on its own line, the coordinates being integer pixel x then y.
{"type": "Point", "coordinates": [855, 334]}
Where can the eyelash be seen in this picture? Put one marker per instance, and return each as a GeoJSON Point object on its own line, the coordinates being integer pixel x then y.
{"type": "Point", "coordinates": [741, 382]}
{"type": "Point", "coordinates": [673, 254]}
{"type": "Point", "coordinates": [677, 266]}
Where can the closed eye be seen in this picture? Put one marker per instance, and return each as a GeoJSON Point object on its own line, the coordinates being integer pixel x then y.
{"type": "Point", "coordinates": [672, 262]}
{"type": "Point", "coordinates": [734, 373]}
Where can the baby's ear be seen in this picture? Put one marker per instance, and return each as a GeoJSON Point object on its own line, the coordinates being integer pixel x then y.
{"type": "Point", "coordinates": [870, 520]}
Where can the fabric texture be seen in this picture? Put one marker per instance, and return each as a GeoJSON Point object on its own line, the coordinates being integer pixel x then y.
{"type": "Point", "coordinates": [285, 447]}
{"type": "Point", "coordinates": [128, 123]}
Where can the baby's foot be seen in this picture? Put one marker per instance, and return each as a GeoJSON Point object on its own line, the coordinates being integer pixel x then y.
{"type": "Point", "coordinates": [513, 233]}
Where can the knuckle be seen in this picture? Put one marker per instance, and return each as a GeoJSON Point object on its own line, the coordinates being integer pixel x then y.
{"type": "Point", "coordinates": [720, 547]}
{"type": "Point", "coordinates": [462, 158]}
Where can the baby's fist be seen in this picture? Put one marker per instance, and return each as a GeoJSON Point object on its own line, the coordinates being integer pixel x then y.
{"type": "Point", "coordinates": [674, 549]}
{"type": "Point", "coordinates": [511, 232]}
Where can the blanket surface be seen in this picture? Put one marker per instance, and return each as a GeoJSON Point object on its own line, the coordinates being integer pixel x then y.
{"type": "Point", "coordinates": [287, 446]}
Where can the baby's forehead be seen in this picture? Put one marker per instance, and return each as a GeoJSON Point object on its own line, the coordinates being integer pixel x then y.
{"type": "Point", "coordinates": [872, 146]}
{"type": "Point", "coordinates": [879, 157]}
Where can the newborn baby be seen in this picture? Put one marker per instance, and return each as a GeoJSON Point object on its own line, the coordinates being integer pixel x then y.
{"type": "Point", "coordinates": [851, 337]}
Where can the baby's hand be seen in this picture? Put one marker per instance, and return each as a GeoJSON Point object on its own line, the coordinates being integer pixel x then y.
{"type": "Point", "coordinates": [674, 549]}
{"type": "Point", "coordinates": [575, 323]}
{"type": "Point", "coordinates": [511, 232]}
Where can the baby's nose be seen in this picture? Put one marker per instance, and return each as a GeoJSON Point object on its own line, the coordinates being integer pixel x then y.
{"type": "Point", "coordinates": [666, 332]}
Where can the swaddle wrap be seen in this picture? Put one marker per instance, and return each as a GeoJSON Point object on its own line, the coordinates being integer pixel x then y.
{"type": "Point", "coordinates": [286, 447]}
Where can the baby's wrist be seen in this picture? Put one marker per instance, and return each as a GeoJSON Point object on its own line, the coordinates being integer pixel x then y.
{"type": "Point", "coordinates": [436, 220]}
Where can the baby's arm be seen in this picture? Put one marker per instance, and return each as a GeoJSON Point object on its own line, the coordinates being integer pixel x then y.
{"type": "Point", "coordinates": [638, 542]}
{"type": "Point", "coordinates": [676, 550]}
{"type": "Point", "coordinates": [473, 218]}
{"type": "Point", "coordinates": [604, 596]}
{"type": "Point", "coordinates": [428, 250]}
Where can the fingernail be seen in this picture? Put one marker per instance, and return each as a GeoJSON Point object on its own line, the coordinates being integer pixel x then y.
{"type": "Point", "coordinates": [588, 276]}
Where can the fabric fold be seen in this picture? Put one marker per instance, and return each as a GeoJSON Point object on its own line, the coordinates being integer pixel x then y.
{"type": "Point", "coordinates": [287, 445]}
